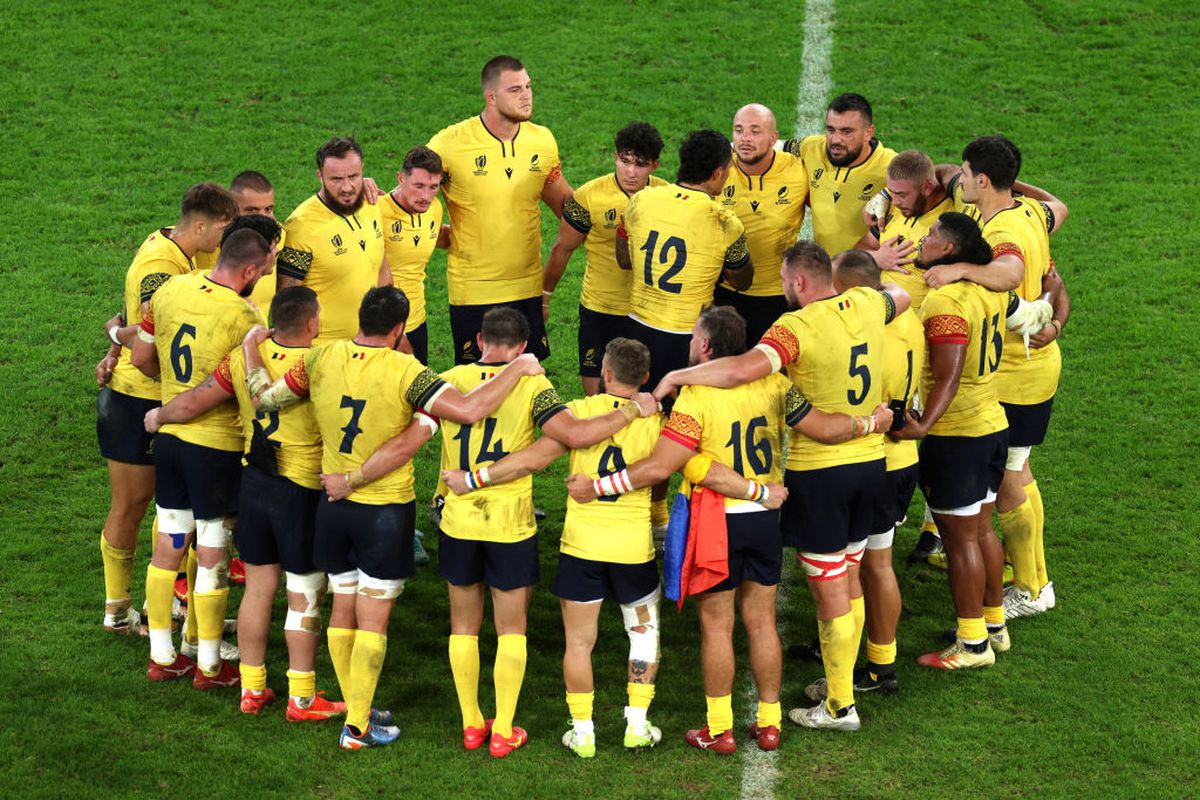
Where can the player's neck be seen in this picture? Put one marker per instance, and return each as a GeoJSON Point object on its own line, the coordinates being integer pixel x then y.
{"type": "Point", "coordinates": [992, 203]}
{"type": "Point", "coordinates": [183, 237]}
{"type": "Point", "coordinates": [498, 355]}
{"type": "Point", "coordinates": [375, 341]}
{"type": "Point", "coordinates": [696, 187]}
{"type": "Point", "coordinates": [399, 198]}
{"type": "Point", "coordinates": [498, 125]}
{"type": "Point", "coordinates": [284, 339]}
{"type": "Point", "coordinates": [620, 390]}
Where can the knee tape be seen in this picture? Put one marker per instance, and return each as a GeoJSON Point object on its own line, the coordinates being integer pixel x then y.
{"type": "Point", "coordinates": [823, 566]}
{"type": "Point", "coordinates": [854, 553]}
{"type": "Point", "coordinates": [173, 521]}
{"type": "Point", "coordinates": [312, 586]}
{"type": "Point", "coordinates": [344, 582]}
{"type": "Point", "coordinates": [379, 588]}
{"type": "Point", "coordinates": [881, 541]}
{"type": "Point", "coordinates": [215, 532]}
{"type": "Point", "coordinates": [212, 579]}
{"type": "Point", "coordinates": [643, 644]}
{"type": "Point", "coordinates": [1017, 456]}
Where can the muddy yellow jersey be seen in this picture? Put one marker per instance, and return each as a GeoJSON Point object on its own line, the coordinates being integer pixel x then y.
{"type": "Point", "coordinates": [904, 355]}
{"type": "Point", "coordinates": [679, 242]}
{"type": "Point", "coordinates": [744, 428]}
{"type": "Point", "coordinates": [361, 398]}
{"type": "Point", "coordinates": [264, 290]}
{"type": "Point", "coordinates": [285, 442]}
{"type": "Point", "coordinates": [965, 313]}
{"type": "Point", "coordinates": [612, 529]}
{"type": "Point", "coordinates": [837, 195]}
{"type": "Point", "coordinates": [914, 230]}
{"type": "Point", "coordinates": [771, 207]}
{"type": "Point", "coordinates": [492, 190]}
{"type": "Point", "coordinates": [504, 512]}
{"type": "Point", "coordinates": [336, 256]}
{"type": "Point", "coordinates": [595, 211]}
{"type": "Point", "coordinates": [156, 261]}
{"type": "Point", "coordinates": [195, 324]}
{"type": "Point", "coordinates": [833, 350]}
{"type": "Point", "coordinates": [409, 240]}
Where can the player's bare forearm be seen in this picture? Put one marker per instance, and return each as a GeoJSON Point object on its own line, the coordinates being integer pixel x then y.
{"type": "Point", "coordinates": [564, 246]}
{"type": "Point", "coordinates": [555, 193]}
{"type": "Point", "coordinates": [669, 456]}
{"type": "Point", "coordinates": [444, 237]}
{"type": "Point", "coordinates": [144, 356]}
{"type": "Point", "coordinates": [723, 480]}
{"type": "Point", "coordinates": [395, 452]}
{"type": "Point", "coordinates": [575, 433]}
{"type": "Point", "coordinates": [532, 459]}
{"type": "Point", "coordinates": [1000, 275]}
{"type": "Point", "coordinates": [624, 261]}
{"type": "Point", "coordinates": [723, 373]}
{"type": "Point", "coordinates": [867, 242]}
{"type": "Point", "coordinates": [467, 409]}
{"type": "Point", "coordinates": [946, 364]}
{"type": "Point", "coordinates": [385, 273]}
{"type": "Point", "coordinates": [826, 428]}
{"type": "Point", "coordinates": [740, 278]}
{"type": "Point", "coordinates": [194, 402]}
{"type": "Point", "coordinates": [287, 281]}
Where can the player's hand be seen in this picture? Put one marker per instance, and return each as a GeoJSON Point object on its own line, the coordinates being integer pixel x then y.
{"type": "Point", "coordinates": [371, 190]}
{"type": "Point", "coordinates": [876, 210]}
{"type": "Point", "coordinates": [884, 416]}
{"type": "Point", "coordinates": [527, 364]}
{"type": "Point", "coordinates": [581, 488]}
{"type": "Point", "coordinates": [104, 370]}
{"type": "Point", "coordinates": [777, 493]}
{"type": "Point", "coordinates": [944, 275]}
{"type": "Point", "coordinates": [913, 428]}
{"type": "Point", "coordinates": [1044, 337]}
{"type": "Point", "coordinates": [895, 253]}
{"type": "Point", "coordinates": [257, 335]}
{"type": "Point", "coordinates": [1051, 281]}
{"type": "Point", "coordinates": [337, 486]}
{"type": "Point", "coordinates": [151, 420]}
{"type": "Point", "coordinates": [647, 405]}
{"type": "Point", "coordinates": [666, 387]}
{"type": "Point", "coordinates": [456, 479]}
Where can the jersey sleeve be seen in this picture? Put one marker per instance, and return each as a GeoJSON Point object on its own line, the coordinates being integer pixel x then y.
{"type": "Point", "coordinates": [889, 307]}
{"type": "Point", "coordinates": [223, 375]}
{"type": "Point", "coordinates": [737, 252]}
{"type": "Point", "coordinates": [296, 256]}
{"type": "Point", "coordinates": [796, 407]}
{"type": "Point", "coordinates": [945, 322]}
{"type": "Point", "coordinates": [424, 389]}
{"type": "Point", "coordinates": [147, 323]}
{"type": "Point", "coordinates": [685, 426]}
{"type": "Point", "coordinates": [783, 339]}
{"type": "Point", "coordinates": [555, 173]}
{"type": "Point", "coordinates": [150, 284]}
{"type": "Point", "coordinates": [546, 402]}
{"type": "Point", "coordinates": [576, 213]}
{"type": "Point", "coordinates": [296, 377]}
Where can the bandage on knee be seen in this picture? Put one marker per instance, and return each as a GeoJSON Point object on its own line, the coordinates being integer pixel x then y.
{"type": "Point", "coordinates": [312, 586]}
{"type": "Point", "coordinates": [344, 582]}
{"type": "Point", "coordinates": [1017, 456]}
{"type": "Point", "coordinates": [641, 623]}
{"type": "Point", "coordinates": [175, 520]}
{"type": "Point", "coordinates": [216, 533]}
{"type": "Point", "coordinates": [212, 579]}
{"type": "Point", "coordinates": [854, 552]}
{"type": "Point", "coordinates": [379, 588]}
{"type": "Point", "coordinates": [823, 566]}
{"type": "Point", "coordinates": [881, 541]}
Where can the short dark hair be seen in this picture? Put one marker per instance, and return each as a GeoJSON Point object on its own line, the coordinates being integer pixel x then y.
{"type": "Point", "coordinates": [641, 139]}
{"type": "Point", "coordinates": [964, 233]}
{"type": "Point", "coordinates": [996, 157]}
{"type": "Point", "coordinates": [254, 181]}
{"type": "Point", "coordinates": [628, 359]}
{"type": "Point", "coordinates": [337, 147]}
{"type": "Point", "coordinates": [856, 268]}
{"type": "Point", "coordinates": [382, 308]}
{"type": "Point", "coordinates": [492, 69]}
{"type": "Point", "coordinates": [702, 153]}
{"type": "Point", "coordinates": [422, 157]}
{"type": "Point", "coordinates": [726, 330]}
{"type": "Point", "coordinates": [266, 227]}
{"type": "Point", "coordinates": [504, 327]}
{"type": "Point", "coordinates": [209, 200]}
{"type": "Point", "coordinates": [292, 307]}
{"type": "Point", "coordinates": [850, 101]}
{"type": "Point", "coordinates": [243, 246]}
{"type": "Point", "coordinates": [810, 257]}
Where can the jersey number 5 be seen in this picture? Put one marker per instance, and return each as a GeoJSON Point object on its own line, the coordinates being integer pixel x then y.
{"type": "Point", "coordinates": [860, 371]}
{"type": "Point", "coordinates": [181, 354]}
{"type": "Point", "coordinates": [664, 280]}
{"type": "Point", "coordinates": [351, 430]}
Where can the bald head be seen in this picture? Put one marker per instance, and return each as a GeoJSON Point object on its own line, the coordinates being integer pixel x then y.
{"type": "Point", "coordinates": [754, 133]}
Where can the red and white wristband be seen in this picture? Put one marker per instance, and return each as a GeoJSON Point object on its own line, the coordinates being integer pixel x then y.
{"type": "Point", "coordinates": [610, 485]}
{"type": "Point", "coordinates": [478, 478]}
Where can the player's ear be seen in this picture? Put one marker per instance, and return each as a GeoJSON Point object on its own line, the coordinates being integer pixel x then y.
{"type": "Point", "coordinates": [479, 341]}
{"type": "Point", "coordinates": [521, 347]}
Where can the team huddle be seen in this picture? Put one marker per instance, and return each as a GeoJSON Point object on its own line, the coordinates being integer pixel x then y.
{"type": "Point", "coordinates": [803, 389]}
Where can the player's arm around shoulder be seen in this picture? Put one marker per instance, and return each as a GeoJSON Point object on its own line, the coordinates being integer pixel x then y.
{"type": "Point", "coordinates": [467, 409]}
{"type": "Point", "coordinates": [575, 433]}
{"type": "Point", "coordinates": [513, 466]}
{"type": "Point", "coordinates": [217, 388]}
{"type": "Point", "coordinates": [144, 354]}
{"type": "Point", "coordinates": [390, 456]}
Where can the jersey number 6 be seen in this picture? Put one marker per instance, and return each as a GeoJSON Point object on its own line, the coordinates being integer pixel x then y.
{"type": "Point", "coordinates": [181, 354]}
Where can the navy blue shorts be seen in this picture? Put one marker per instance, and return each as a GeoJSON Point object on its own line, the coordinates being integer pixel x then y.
{"type": "Point", "coordinates": [897, 494]}
{"type": "Point", "coordinates": [377, 539]}
{"type": "Point", "coordinates": [501, 565]}
{"type": "Point", "coordinates": [121, 427]}
{"type": "Point", "coordinates": [465, 322]}
{"type": "Point", "coordinates": [418, 337]}
{"type": "Point", "coordinates": [760, 313]}
{"type": "Point", "coordinates": [755, 549]}
{"type": "Point", "coordinates": [585, 581]}
{"type": "Point", "coordinates": [276, 521]}
{"type": "Point", "coordinates": [828, 508]}
{"type": "Point", "coordinates": [1027, 425]}
{"type": "Point", "coordinates": [959, 471]}
{"type": "Point", "coordinates": [596, 330]}
{"type": "Point", "coordinates": [668, 350]}
{"type": "Point", "coordinates": [191, 476]}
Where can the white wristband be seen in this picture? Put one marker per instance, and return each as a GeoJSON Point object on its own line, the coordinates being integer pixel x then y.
{"type": "Point", "coordinates": [112, 334]}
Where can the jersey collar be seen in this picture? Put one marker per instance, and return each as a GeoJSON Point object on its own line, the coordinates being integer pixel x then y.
{"type": "Point", "coordinates": [511, 144]}
{"type": "Point", "coordinates": [750, 178]}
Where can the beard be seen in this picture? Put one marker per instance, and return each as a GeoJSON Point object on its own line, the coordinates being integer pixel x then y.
{"type": "Point", "coordinates": [843, 161]}
{"type": "Point", "coordinates": [248, 289]}
{"type": "Point", "coordinates": [754, 159]}
{"type": "Point", "coordinates": [345, 209]}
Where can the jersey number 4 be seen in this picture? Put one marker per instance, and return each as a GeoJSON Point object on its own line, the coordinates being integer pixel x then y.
{"type": "Point", "coordinates": [487, 450]}
{"type": "Point", "coordinates": [672, 243]}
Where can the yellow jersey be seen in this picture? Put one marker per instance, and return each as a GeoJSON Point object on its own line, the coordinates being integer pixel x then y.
{"type": "Point", "coordinates": [195, 323]}
{"type": "Point", "coordinates": [771, 207]}
{"type": "Point", "coordinates": [409, 240]}
{"type": "Point", "coordinates": [914, 230]}
{"type": "Point", "coordinates": [611, 529]}
{"type": "Point", "coordinates": [679, 242]}
{"type": "Point", "coordinates": [156, 261]}
{"type": "Point", "coordinates": [904, 356]}
{"type": "Point", "coordinates": [492, 189]}
{"type": "Point", "coordinates": [595, 211]}
{"type": "Point", "coordinates": [504, 512]}
{"type": "Point", "coordinates": [291, 434]}
{"type": "Point", "coordinates": [968, 314]}
{"type": "Point", "coordinates": [264, 290]}
{"type": "Point", "coordinates": [337, 257]}
{"type": "Point", "coordinates": [362, 397]}
{"type": "Point", "coordinates": [206, 261]}
{"type": "Point", "coordinates": [833, 352]}
{"type": "Point", "coordinates": [743, 428]}
{"type": "Point", "coordinates": [837, 195]}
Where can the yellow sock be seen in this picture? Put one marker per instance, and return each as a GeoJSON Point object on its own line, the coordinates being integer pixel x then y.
{"type": "Point", "coordinates": [993, 615]}
{"type": "Point", "coordinates": [838, 651]}
{"type": "Point", "coordinates": [1039, 542]}
{"type": "Point", "coordinates": [579, 704]}
{"type": "Point", "coordinates": [366, 662]}
{"type": "Point", "coordinates": [640, 694]}
{"type": "Point", "coordinates": [1020, 526]}
{"type": "Point", "coordinates": [190, 624]}
{"type": "Point", "coordinates": [118, 571]}
{"type": "Point", "coordinates": [858, 610]}
{"type": "Point", "coordinates": [972, 630]}
{"type": "Point", "coordinates": [660, 513]}
{"type": "Point", "coordinates": [769, 715]}
{"type": "Point", "coordinates": [508, 674]}
{"type": "Point", "coordinates": [881, 654]}
{"type": "Point", "coordinates": [464, 666]}
{"type": "Point", "coordinates": [720, 714]}
{"type": "Point", "coordinates": [209, 611]}
{"type": "Point", "coordinates": [341, 645]}
{"type": "Point", "coordinates": [253, 678]}
{"type": "Point", "coordinates": [300, 684]}
{"type": "Point", "coordinates": [160, 588]}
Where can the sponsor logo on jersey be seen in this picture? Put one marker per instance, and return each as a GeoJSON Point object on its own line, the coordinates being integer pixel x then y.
{"type": "Point", "coordinates": [480, 165]}
{"type": "Point", "coordinates": [533, 163]}
{"type": "Point", "coordinates": [337, 242]}
{"type": "Point", "coordinates": [782, 195]}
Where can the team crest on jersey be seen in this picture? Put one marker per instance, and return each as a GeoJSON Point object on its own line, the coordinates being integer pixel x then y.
{"type": "Point", "coordinates": [480, 164]}
{"type": "Point", "coordinates": [534, 166]}
{"type": "Point", "coordinates": [816, 178]}
{"type": "Point", "coordinates": [397, 229]}
{"type": "Point", "coordinates": [610, 218]}
{"type": "Point", "coordinates": [782, 195]}
{"type": "Point", "coordinates": [337, 242]}
{"type": "Point", "coordinates": [728, 192]}
{"type": "Point", "coordinates": [432, 225]}
{"type": "Point", "coordinates": [867, 192]}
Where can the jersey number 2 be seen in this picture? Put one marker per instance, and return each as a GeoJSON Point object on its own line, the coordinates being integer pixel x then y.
{"type": "Point", "coordinates": [664, 280]}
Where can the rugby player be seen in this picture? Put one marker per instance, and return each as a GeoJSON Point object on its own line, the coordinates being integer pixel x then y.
{"type": "Point", "coordinates": [334, 241]}
{"type": "Point", "coordinates": [498, 165]}
{"type": "Point", "coordinates": [846, 166]}
{"type": "Point", "coordinates": [254, 195]}
{"type": "Point", "coordinates": [832, 348]}
{"type": "Point", "coordinates": [590, 218]}
{"type": "Point", "coordinates": [364, 393]}
{"type": "Point", "coordinates": [126, 394]}
{"type": "Point", "coordinates": [767, 190]}
{"type": "Point", "coordinates": [192, 322]}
